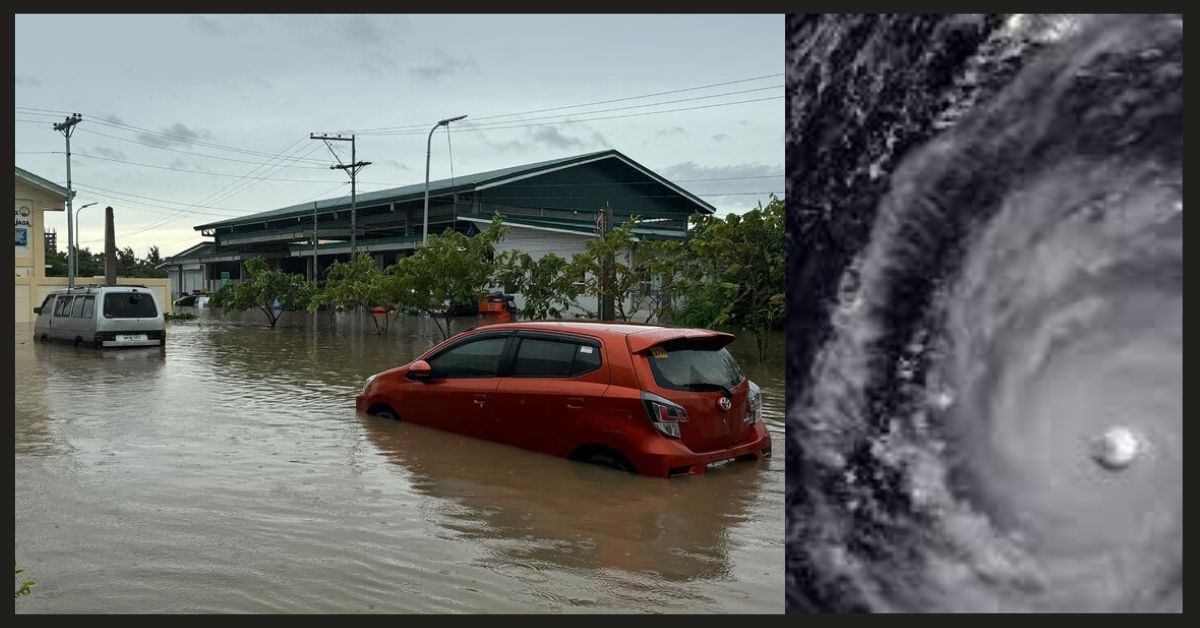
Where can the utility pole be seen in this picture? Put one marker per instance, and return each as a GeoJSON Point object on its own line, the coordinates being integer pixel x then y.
{"type": "Point", "coordinates": [607, 307]}
{"type": "Point", "coordinates": [67, 127]}
{"type": "Point", "coordinates": [314, 270]}
{"type": "Point", "coordinates": [352, 169]}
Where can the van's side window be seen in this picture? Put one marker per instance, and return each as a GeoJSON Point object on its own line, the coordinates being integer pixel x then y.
{"type": "Point", "coordinates": [77, 309]}
{"type": "Point", "coordinates": [89, 307]}
{"type": "Point", "coordinates": [63, 306]}
{"type": "Point", "coordinates": [46, 304]}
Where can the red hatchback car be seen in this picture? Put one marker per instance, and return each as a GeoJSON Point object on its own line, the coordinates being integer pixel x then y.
{"type": "Point", "coordinates": [650, 400]}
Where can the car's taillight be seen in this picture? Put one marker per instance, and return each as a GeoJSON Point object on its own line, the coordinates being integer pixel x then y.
{"type": "Point", "coordinates": [665, 415]}
{"type": "Point", "coordinates": [753, 405]}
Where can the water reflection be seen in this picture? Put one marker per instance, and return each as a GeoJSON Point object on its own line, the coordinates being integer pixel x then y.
{"type": "Point", "coordinates": [230, 472]}
{"type": "Point", "coordinates": [580, 516]}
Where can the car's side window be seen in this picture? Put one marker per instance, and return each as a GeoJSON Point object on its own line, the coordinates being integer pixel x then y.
{"type": "Point", "coordinates": [46, 304]}
{"type": "Point", "coordinates": [63, 306]}
{"type": "Point", "coordinates": [538, 357]}
{"type": "Point", "coordinates": [474, 358]}
{"type": "Point", "coordinates": [77, 308]}
{"type": "Point", "coordinates": [89, 307]}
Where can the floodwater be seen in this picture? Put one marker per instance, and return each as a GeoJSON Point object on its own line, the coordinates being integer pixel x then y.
{"type": "Point", "coordinates": [229, 472]}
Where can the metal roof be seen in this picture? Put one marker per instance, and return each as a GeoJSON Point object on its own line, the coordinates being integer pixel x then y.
{"type": "Point", "coordinates": [33, 179]}
{"type": "Point", "coordinates": [191, 253]}
{"type": "Point", "coordinates": [469, 182]}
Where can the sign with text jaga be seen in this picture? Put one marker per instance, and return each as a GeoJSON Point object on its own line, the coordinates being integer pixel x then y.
{"type": "Point", "coordinates": [23, 225]}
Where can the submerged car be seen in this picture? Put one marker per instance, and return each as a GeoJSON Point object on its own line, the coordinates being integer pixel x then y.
{"type": "Point", "coordinates": [101, 316]}
{"type": "Point", "coordinates": [644, 399]}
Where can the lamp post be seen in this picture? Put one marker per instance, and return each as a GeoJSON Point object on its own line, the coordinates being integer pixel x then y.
{"type": "Point", "coordinates": [74, 257]}
{"type": "Point", "coordinates": [428, 151]}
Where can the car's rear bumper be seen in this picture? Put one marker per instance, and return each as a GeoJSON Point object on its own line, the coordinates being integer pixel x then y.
{"type": "Point", "coordinates": [671, 458]}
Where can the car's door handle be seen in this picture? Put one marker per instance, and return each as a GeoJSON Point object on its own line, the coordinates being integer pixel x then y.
{"type": "Point", "coordinates": [575, 402]}
{"type": "Point", "coordinates": [479, 399]}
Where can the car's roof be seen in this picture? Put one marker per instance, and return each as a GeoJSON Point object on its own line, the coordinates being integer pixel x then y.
{"type": "Point", "coordinates": [587, 327]}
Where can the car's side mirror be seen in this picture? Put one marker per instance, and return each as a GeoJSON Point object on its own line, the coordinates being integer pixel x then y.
{"type": "Point", "coordinates": [37, 310]}
{"type": "Point", "coordinates": [420, 370]}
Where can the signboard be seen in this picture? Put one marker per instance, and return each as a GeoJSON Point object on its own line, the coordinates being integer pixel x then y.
{"type": "Point", "coordinates": [224, 278]}
{"type": "Point", "coordinates": [23, 226]}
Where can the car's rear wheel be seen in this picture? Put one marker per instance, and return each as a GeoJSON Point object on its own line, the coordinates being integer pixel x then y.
{"type": "Point", "coordinates": [604, 457]}
{"type": "Point", "coordinates": [384, 412]}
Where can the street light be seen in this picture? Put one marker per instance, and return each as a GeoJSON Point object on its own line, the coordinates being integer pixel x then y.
{"type": "Point", "coordinates": [428, 145]}
{"type": "Point", "coordinates": [74, 257]}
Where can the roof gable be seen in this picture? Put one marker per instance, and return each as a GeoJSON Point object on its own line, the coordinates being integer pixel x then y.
{"type": "Point", "coordinates": [464, 183]}
{"type": "Point", "coordinates": [39, 182]}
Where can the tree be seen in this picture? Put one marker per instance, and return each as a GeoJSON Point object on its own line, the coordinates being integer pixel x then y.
{"type": "Point", "coordinates": [637, 275]}
{"type": "Point", "coordinates": [740, 263]}
{"type": "Point", "coordinates": [357, 285]}
{"type": "Point", "coordinates": [92, 264]}
{"type": "Point", "coordinates": [547, 284]}
{"type": "Point", "coordinates": [262, 287]}
{"type": "Point", "coordinates": [452, 269]}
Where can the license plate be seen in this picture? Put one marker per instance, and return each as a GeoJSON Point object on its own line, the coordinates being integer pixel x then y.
{"type": "Point", "coordinates": [720, 463]}
{"type": "Point", "coordinates": [130, 337]}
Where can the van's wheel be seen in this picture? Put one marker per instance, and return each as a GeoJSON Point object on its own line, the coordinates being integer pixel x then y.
{"type": "Point", "coordinates": [78, 341]}
{"type": "Point", "coordinates": [610, 459]}
{"type": "Point", "coordinates": [44, 339]}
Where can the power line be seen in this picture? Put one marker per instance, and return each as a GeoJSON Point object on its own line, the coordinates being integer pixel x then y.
{"type": "Point", "coordinates": [503, 124]}
{"type": "Point", "coordinates": [151, 198]}
{"type": "Point", "coordinates": [187, 152]}
{"type": "Point", "coordinates": [185, 139]}
{"type": "Point", "coordinates": [222, 194]}
{"type": "Point", "coordinates": [578, 120]}
{"type": "Point", "coordinates": [182, 138]}
{"type": "Point", "coordinates": [587, 104]}
{"type": "Point", "coordinates": [212, 174]}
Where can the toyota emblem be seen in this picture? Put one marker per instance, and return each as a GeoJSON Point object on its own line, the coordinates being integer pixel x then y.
{"type": "Point", "coordinates": [724, 404]}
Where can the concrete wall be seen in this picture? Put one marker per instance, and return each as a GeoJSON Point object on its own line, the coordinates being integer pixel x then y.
{"type": "Point", "coordinates": [31, 291]}
{"type": "Point", "coordinates": [30, 260]}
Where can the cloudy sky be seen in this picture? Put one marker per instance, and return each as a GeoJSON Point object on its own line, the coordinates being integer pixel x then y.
{"type": "Point", "coordinates": [190, 119]}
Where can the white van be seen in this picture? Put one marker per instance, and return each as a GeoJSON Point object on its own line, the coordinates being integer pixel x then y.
{"type": "Point", "coordinates": [102, 316]}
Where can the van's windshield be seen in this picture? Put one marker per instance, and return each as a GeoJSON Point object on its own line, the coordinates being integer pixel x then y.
{"type": "Point", "coordinates": [129, 305]}
{"type": "Point", "coordinates": [691, 365]}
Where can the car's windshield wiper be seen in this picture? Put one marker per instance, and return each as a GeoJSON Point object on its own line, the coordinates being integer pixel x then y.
{"type": "Point", "coordinates": [709, 386]}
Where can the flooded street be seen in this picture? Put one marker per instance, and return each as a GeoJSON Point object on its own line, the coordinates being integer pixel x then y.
{"type": "Point", "coordinates": [231, 473]}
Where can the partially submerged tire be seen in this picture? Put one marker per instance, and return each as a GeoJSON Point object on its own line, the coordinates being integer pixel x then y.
{"type": "Point", "coordinates": [605, 458]}
{"type": "Point", "coordinates": [384, 412]}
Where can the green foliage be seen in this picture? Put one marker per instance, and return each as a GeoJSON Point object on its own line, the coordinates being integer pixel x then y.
{"type": "Point", "coordinates": [358, 284]}
{"type": "Point", "coordinates": [92, 264]}
{"type": "Point", "coordinates": [547, 284]}
{"type": "Point", "coordinates": [452, 269]}
{"type": "Point", "coordinates": [261, 288]}
{"type": "Point", "coordinates": [636, 274]}
{"type": "Point", "coordinates": [738, 261]}
{"type": "Point", "coordinates": [23, 588]}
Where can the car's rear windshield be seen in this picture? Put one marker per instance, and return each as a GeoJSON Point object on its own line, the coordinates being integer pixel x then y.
{"type": "Point", "coordinates": [698, 365]}
{"type": "Point", "coordinates": [129, 305]}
